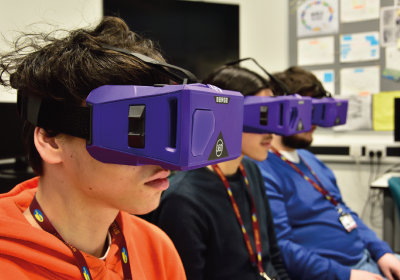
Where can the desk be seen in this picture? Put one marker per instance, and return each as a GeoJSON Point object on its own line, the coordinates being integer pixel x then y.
{"type": "Point", "coordinates": [391, 222]}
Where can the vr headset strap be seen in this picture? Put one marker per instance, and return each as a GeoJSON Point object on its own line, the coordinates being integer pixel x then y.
{"type": "Point", "coordinates": [56, 116]}
{"type": "Point", "coordinates": [272, 78]}
{"type": "Point", "coordinates": [159, 66]}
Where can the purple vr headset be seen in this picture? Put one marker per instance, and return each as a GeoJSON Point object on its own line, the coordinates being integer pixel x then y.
{"type": "Point", "coordinates": [283, 115]}
{"type": "Point", "coordinates": [328, 111]}
{"type": "Point", "coordinates": [178, 127]}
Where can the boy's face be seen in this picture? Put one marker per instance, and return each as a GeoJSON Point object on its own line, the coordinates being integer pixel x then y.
{"type": "Point", "coordinates": [254, 145]}
{"type": "Point", "coordinates": [134, 189]}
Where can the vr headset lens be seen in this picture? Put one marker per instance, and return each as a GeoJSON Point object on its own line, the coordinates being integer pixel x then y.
{"type": "Point", "coordinates": [178, 127]}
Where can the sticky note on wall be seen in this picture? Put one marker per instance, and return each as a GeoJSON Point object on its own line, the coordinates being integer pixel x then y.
{"type": "Point", "coordinates": [383, 110]}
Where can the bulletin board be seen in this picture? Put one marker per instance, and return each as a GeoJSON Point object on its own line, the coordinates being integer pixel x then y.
{"type": "Point", "coordinates": [352, 140]}
{"type": "Point", "coordinates": [344, 28]}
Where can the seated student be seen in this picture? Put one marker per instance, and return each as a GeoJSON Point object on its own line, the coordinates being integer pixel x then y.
{"type": "Point", "coordinates": [78, 195]}
{"type": "Point", "coordinates": [198, 215]}
{"type": "Point", "coordinates": [313, 236]}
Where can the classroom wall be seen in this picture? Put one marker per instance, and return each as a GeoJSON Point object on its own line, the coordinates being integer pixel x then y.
{"type": "Point", "coordinates": [17, 15]}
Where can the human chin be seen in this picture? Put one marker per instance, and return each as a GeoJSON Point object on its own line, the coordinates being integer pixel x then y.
{"type": "Point", "coordinates": [298, 141]}
{"type": "Point", "coordinates": [259, 154]}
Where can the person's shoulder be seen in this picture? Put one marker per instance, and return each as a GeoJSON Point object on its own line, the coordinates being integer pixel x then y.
{"type": "Point", "coordinates": [145, 233]}
{"type": "Point", "coordinates": [156, 250]}
{"type": "Point", "coordinates": [188, 185]}
{"type": "Point", "coordinates": [309, 157]}
{"type": "Point", "coordinates": [305, 153]}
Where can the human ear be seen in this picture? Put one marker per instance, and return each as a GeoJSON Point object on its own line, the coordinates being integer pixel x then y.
{"type": "Point", "coordinates": [47, 146]}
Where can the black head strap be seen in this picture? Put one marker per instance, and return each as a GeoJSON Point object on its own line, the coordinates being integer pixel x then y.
{"type": "Point", "coordinates": [271, 77]}
{"type": "Point", "coordinates": [161, 67]}
{"type": "Point", "coordinates": [55, 116]}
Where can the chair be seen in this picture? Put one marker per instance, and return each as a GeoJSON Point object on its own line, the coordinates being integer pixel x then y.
{"type": "Point", "coordinates": [394, 186]}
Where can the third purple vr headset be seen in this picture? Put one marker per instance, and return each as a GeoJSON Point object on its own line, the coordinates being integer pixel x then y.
{"type": "Point", "coordinates": [178, 127]}
{"type": "Point", "coordinates": [328, 111]}
{"type": "Point", "coordinates": [282, 115]}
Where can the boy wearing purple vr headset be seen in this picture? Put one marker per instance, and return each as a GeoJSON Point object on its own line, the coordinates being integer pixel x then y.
{"type": "Point", "coordinates": [219, 217]}
{"type": "Point", "coordinates": [318, 235]}
{"type": "Point", "coordinates": [75, 214]}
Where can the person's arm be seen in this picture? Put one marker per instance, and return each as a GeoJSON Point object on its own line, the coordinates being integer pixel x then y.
{"type": "Point", "coordinates": [182, 221]}
{"type": "Point", "coordinates": [372, 243]}
{"type": "Point", "coordinates": [300, 262]}
{"type": "Point", "coordinates": [274, 251]}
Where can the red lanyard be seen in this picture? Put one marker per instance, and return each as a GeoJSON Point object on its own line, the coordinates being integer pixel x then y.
{"type": "Point", "coordinates": [319, 187]}
{"type": "Point", "coordinates": [256, 228]}
{"type": "Point", "coordinates": [38, 213]}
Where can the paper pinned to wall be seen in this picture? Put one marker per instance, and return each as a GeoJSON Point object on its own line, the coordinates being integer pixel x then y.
{"type": "Point", "coordinates": [316, 51]}
{"type": "Point", "coordinates": [393, 58]}
{"type": "Point", "coordinates": [359, 115]}
{"type": "Point", "coordinates": [359, 47]}
{"type": "Point", "coordinates": [390, 26]}
{"type": "Point", "coordinates": [7, 95]}
{"type": "Point", "coordinates": [327, 78]}
{"type": "Point", "coordinates": [360, 81]}
{"type": "Point", "coordinates": [383, 110]}
{"type": "Point", "coordinates": [316, 18]}
{"type": "Point", "coordinates": [358, 10]}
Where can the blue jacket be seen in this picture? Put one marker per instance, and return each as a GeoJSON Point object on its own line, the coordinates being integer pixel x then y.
{"type": "Point", "coordinates": [313, 242]}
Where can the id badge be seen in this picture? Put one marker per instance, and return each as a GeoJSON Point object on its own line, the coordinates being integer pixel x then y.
{"type": "Point", "coordinates": [348, 222]}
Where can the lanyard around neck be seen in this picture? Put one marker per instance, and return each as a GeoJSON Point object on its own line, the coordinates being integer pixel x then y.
{"type": "Point", "coordinates": [44, 222]}
{"type": "Point", "coordinates": [319, 187]}
{"type": "Point", "coordinates": [256, 228]}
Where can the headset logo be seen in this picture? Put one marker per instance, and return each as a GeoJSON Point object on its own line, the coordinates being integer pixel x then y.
{"type": "Point", "coordinates": [38, 215]}
{"type": "Point", "coordinates": [219, 148]}
{"type": "Point", "coordinates": [221, 99]}
{"type": "Point", "coordinates": [85, 273]}
{"type": "Point", "coordinates": [124, 255]}
{"type": "Point", "coordinates": [215, 88]}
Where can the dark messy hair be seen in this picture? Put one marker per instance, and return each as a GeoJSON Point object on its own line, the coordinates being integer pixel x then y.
{"type": "Point", "coordinates": [300, 81]}
{"type": "Point", "coordinates": [238, 79]}
{"type": "Point", "coordinates": [67, 69]}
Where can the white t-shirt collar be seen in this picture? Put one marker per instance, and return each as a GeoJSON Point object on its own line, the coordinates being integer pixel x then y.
{"type": "Point", "coordinates": [291, 156]}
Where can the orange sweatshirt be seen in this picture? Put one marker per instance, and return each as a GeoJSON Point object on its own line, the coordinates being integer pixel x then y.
{"type": "Point", "coordinates": [30, 253]}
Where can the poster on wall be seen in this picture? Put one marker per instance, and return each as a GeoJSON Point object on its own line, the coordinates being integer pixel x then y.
{"type": "Point", "coordinates": [358, 114]}
{"type": "Point", "coordinates": [315, 18]}
{"type": "Point", "coordinates": [360, 80]}
{"type": "Point", "coordinates": [359, 47]}
{"type": "Point", "coordinates": [390, 26]}
{"type": "Point", "coordinates": [393, 58]}
{"type": "Point", "coordinates": [315, 51]}
{"type": "Point", "coordinates": [327, 78]}
{"type": "Point", "coordinates": [359, 10]}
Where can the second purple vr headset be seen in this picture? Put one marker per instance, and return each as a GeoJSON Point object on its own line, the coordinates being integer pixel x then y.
{"type": "Point", "coordinates": [282, 115]}
{"type": "Point", "coordinates": [178, 127]}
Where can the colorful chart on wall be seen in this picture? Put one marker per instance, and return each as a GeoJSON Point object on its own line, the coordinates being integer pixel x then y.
{"type": "Point", "coordinates": [360, 81]}
{"type": "Point", "coordinates": [359, 47]}
{"type": "Point", "coordinates": [359, 10]}
{"type": "Point", "coordinates": [390, 26]}
{"type": "Point", "coordinates": [327, 78]}
{"type": "Point", "coordinates": [315, 18]}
